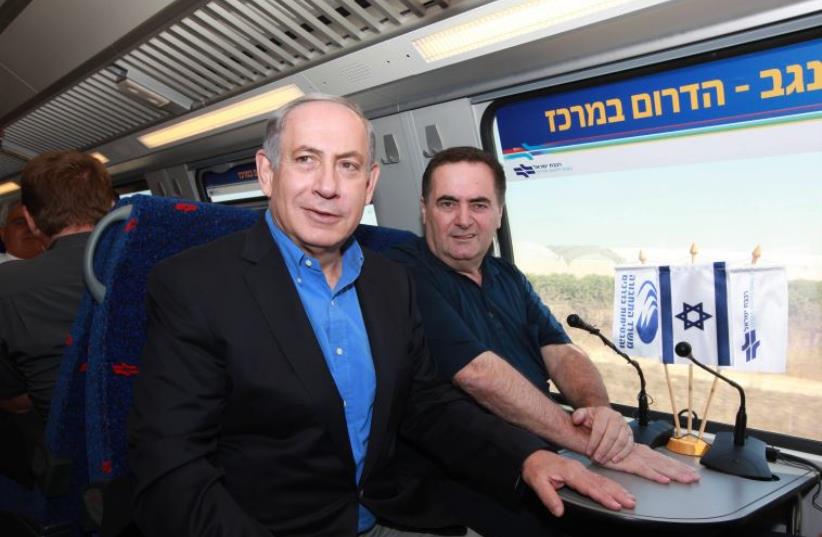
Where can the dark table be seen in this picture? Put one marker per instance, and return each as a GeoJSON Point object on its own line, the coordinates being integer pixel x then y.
{"type": "Point", "coordinates": [718, 504]}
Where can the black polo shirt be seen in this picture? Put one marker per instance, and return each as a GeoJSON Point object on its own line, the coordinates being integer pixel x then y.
{"type": "Point", "coordinates": [38, 300]}
{"type": "Point", "coordinates": [462, 319]}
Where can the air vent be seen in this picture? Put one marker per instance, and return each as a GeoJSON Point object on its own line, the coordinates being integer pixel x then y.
{"type": "Point", "coordinates": [219, 50]}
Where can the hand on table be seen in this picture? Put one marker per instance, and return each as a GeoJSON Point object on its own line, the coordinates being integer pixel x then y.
{"type": "Point", "coordinates": [610, 440]}
{"type": "Point", "coordinates": [653, 465]}
{"type": "Point", "coordinates": [546, 472]}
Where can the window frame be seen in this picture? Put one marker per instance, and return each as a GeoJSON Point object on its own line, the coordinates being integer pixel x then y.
{"type": "Point", "coordinates": [649, 64]}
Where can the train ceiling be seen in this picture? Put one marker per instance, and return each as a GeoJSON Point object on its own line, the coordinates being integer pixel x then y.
{"type": "Point", "coordinates": [59, 61]}
{"type": "Point", "coordinates": [203, 51]}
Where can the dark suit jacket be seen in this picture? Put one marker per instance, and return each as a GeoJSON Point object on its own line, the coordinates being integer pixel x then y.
{"type": "Point", "coordinates": [238, 428]}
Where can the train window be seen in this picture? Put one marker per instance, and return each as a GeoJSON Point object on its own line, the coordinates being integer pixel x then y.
{"type": "Point", "coordinates": [238, 185]}
{"type": "Point", "coordinates": [131, 189]}
{"type": "Point", "coordinates": [700, 160]}
{"type": "Point", "coordinates": [369, 215]}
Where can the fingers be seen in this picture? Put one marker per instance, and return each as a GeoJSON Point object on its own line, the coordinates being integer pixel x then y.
{"type": "Point", "coordinates": [598, 431]}
{"type": "Point", "coordinates": [602, 490]}
{"type": "Point", "coordinates": [612, 495]}
{"type": "Point", "coordinates": [616, 439]}
{"type": "Point", "coordinates": [542, 470]}
{"type": "Point", "coordinates": [627, 443]}
{"type": "Point", "coordinates": [652, 465]}
{"type": "Point", "coordinates": [545, 472]}
{"type": "Point", "coordinates": [582, 417]}
{"type": "Point", "coordinates": [547, 494]}
{"type": "Point", "coordinates": [646, 471]}
{"type": "Point", "coordinates": [609, 439]}
{"type": "Point", "coordinates": [673, 469]}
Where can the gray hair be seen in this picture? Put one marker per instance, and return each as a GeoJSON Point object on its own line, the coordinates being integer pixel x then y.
{"type": "Point", "coordinates": [276, 125]}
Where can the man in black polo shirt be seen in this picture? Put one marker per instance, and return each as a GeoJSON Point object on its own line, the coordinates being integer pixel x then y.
{"type": "Point", "coordinates": [491, 334]}
{"type": "Point", "coordinates": [64, 194]}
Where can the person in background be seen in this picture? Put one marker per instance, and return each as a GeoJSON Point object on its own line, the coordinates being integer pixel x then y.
{"type": "Point", "coordinates": [16, 236]}
{"type": "Point", "coordinates": [63, 195]}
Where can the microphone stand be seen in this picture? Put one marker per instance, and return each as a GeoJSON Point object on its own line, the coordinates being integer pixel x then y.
{"type": "Point", "coordinates": [651, 433]}
{"type": "Point", "coordinates": [734, 452]}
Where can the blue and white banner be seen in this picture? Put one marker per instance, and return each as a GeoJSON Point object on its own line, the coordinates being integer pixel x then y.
{"type": "Point", "coordinates": [732, 317]}
{"type": "Point", "coordinates": [765, 85]}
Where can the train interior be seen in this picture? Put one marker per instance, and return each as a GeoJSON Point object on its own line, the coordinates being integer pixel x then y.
{"type": "Point", "coordinates": [173, 95]}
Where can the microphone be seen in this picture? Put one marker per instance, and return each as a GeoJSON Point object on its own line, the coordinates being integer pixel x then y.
{"type": "Point", "coordinates": [654, 433]}
{"type": "Point", "coordinates": [732, 453]}
{"type": "Point", "coordinates": [575, 321]}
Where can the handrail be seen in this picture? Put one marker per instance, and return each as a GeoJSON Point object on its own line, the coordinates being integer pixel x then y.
{"type": "Point", "coordinates": [95, 286]}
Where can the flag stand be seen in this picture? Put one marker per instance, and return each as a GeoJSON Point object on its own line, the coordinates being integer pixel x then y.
{"type": "Point", "coordinates": [688, 443]}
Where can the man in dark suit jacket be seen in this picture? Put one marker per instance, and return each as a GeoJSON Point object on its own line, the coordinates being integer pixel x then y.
{"type": "Point", "coordinates": [283, 362]}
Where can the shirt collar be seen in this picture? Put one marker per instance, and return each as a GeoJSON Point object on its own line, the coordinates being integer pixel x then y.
{"type": "Point", "coordinates": [69, 240]}
{"type": "Point", "coordinates": [298, 261]}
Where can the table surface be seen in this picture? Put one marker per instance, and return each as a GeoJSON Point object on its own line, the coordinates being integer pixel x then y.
{"type": "Point", "coordinates": [716, 499]}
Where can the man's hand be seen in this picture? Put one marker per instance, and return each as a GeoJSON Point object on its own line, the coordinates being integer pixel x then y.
{"type": "Point", "coordinates": [546, 472]}
{"type": "Point", "coordinates": [610, 440]}
{"type": "Point", "coordinates": [645, 462]}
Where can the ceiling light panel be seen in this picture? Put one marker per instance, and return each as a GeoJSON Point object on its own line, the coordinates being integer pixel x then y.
{"type": "Point", "coordinates": [484, 28]}
{"type": "Point", "coordinates": [8, 188]}
{"type": "Point", "coordinates": [99, 156]}
{"type": "Point", "coordinates": [220, 117]}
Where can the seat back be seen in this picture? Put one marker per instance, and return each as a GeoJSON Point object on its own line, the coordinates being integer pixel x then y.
{"type": "Point", "coordinates": [378, 238]}
{"type": "Point", "coordinates": [156, 229]}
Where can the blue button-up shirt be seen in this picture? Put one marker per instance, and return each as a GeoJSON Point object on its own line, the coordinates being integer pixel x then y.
{"type": "Point", "coordinates": [338, 324]}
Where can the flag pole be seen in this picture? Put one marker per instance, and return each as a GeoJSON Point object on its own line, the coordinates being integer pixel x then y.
{"type": "Point", "coordinates": [687, 443]}
{"type": "Point", "coordinates": [694, 251]}
{"type": "Point", "coordinates": [675, 412]}
{"type": "Point", "coordinates": [690, 398]}
{"type": "Point", "coordinates": [677, 432]}
{"type": "Point", "coordinates": [707, 406]}
{"type": "Point", "coordinates": [756, 253]}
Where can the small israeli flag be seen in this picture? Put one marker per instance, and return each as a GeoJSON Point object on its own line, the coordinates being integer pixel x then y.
{"type": "Point", "coordinates": [733, 317]}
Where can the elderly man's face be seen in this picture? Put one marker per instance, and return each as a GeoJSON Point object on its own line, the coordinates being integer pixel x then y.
{"type": "Point", "coordinates": [323, 180]}
{"type": "Point", "coordinates": [461, 214]}
{"type": "Point", "coordinates": [18, 238]}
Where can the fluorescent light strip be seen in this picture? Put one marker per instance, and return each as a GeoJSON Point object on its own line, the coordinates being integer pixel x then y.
{"type": "Point", "coordinates": [8, 188]}
{"type": "Point", "coordinates": [99, 156]}
{"type": "Point", "coordinates": [507, 24]}
{"type": "Point", "coordinates": [259, 105]}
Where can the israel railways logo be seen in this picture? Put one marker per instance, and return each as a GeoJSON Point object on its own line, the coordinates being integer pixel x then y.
{"type": "Point", "coordinates": [647, 322]}
{"type": "Point", "coordinates": [524, 171]}
{"type": "Point", "coordinates": [751, 345]}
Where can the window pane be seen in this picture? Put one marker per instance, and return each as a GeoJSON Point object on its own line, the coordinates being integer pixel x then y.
{"type": "Point", "coordinates": [720, 186]}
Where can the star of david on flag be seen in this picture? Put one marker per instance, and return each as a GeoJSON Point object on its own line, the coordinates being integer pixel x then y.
{"type": "Point", "coordinates": [701, 316]}
{"type": "Point", "coordinates": [732, 316]}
